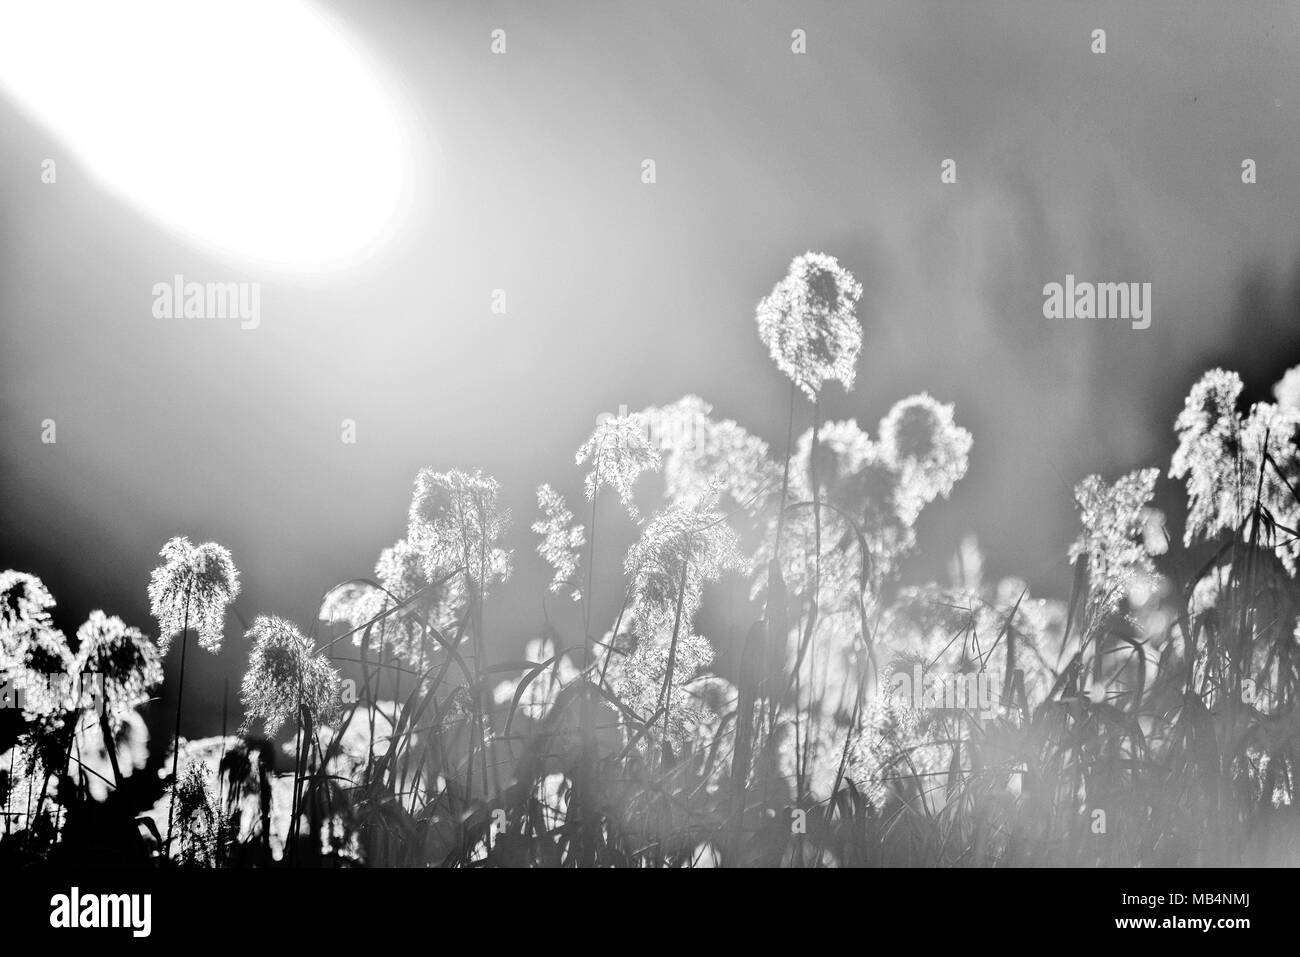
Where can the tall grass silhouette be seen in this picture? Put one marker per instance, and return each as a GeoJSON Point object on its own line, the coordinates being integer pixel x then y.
{"type": "Point", "coordinates": [1148, 718]}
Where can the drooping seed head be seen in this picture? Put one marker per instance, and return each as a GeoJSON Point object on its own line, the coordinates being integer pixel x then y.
{"type": "Point", "coordinates": [125, 659]}
{"type": "Point", "coordinates": [283, 671]}
{"type": "Point", "coordinates": [193, 586]}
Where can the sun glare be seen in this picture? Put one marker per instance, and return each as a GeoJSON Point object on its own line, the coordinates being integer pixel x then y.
{"type": "Point", "coordinates": [256, 128]}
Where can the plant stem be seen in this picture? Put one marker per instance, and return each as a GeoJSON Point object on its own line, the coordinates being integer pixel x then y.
{"type": "Point", "coordinates": [176, 733]}
{"type": "Point", "coordinates": [785, 476]}
{"type": "Point", "coordinates": [297, 768]}
{"type": "Point", "coordinates": [221, 819]}
{"type": "Point", "coordinates": [667, 691]}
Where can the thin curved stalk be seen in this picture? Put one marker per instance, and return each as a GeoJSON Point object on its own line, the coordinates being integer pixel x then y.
{"type": "Point", "coordinates": [176, 733]}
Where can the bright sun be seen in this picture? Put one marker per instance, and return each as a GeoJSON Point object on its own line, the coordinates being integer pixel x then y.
{"type": "Point", "coordinates": [254, 127]}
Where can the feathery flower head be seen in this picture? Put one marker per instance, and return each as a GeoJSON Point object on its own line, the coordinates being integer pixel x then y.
{"type": "Point", "coordinates": [895, 737]}
{"type": "Point", "coordinates": [640, 684]}
{"type": "Point", "coordinates": [1118, 537]}
{"type": "Point", "coordinates": [1210, 455]}
{"type": "Point", "coordinates": [193, 798]}
{"type": "Point", "coordinates": [1275, 429]}
{"type": "Point", "coordinates": [619, 450]}
{"type": "Point", "coordinates": [858, 478]}
{"type": "Point", "coordinates": [921, 440]}
{"type": "Point", "coordinates": [845, 440]}
{"type": "Point", "coordinates": [842, 450]}
{"type": "Point", "coordinates": [24, 622]}
{"type": "Point", "coordinates": [400, 575]}
{"type": "Point", "coordinates": [194, 583]}
{"type": "Point", "coordinates": [456, 521]}
{"type": "Point", "coordinates": [400, 569]}
{"type": "Point", "coordinates": [196, 816]}
{"type": "Point", "coordinates": [191, 793]}
{"type": "Point", "coordinates": [1210, 409]}
{"type": "Point", "coordinates": [126, 660]}
{"type": "Point", "coordinates": [562, 540]}
{"type": "Point", "coordinates": [23, 598]}
{"type": "Point", "coordinates": [700, 451]}
{"type": "Point", "coordinates": [283, 670]}
{"type": "Point", "coordinates": [402, 572]}
{"type": "Point", "coordinates": [892, 735]}
{"type": "Point", "coordinates": [808, 323]}
{"type": "Point", "coordinates": [35, 656]}
{"type": "Point", "coordinates": [1221, 457]}
{"type": "Point", "coordinates": [690, 539]}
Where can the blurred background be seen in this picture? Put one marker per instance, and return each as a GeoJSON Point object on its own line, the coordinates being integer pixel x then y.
{"type": "Point", "coordinates": [522, 172]}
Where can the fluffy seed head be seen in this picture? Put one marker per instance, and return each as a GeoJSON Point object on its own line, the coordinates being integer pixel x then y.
{"type": "Point", "coordinates": [562, 540]}
{"type": "Point", "coordinates": [23, 598]}
{"type": "Point", "coordinates": [126, 659]}
{"type": "Point", "coordinates": [700, 451]}
{"type": "Point", "coordinates": [920, 439]}
{"type": "Point", "coordinates": [619, 450]}
{"type": "Point", "coordinates": [282, 671]}
{"type": "Point", "coordinates": [1210, 455]}
{"type": "Point", "coordinates": [1119, 528]}
{"type": "Point", "coordinates": [400, 575]}
{"type": "Point", "coordinates": [193, 584]}
{"type": "Point", "coordinates": [35, 657]}
{"type": "Point", "coordinates": [808, 323]}
{"type": "Point", "coordinates": [640, 684]}
{"type": "Point", "coordinates": [456, 522]}
{"type": "Point", "coordinates": [690, 539]}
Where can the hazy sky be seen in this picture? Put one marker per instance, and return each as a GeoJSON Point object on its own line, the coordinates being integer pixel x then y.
{"type": "Point", "coordinates": [1116, 167]}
